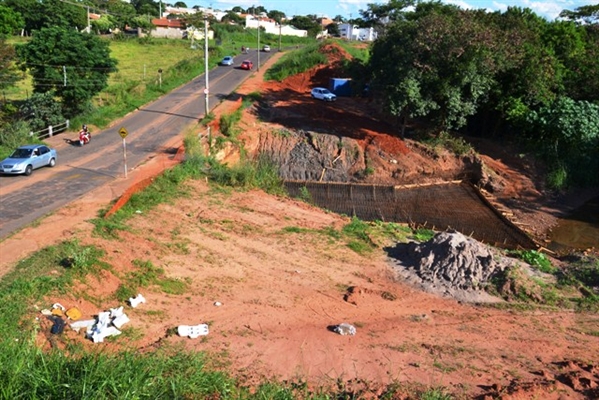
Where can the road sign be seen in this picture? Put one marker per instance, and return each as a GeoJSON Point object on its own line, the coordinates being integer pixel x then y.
{"type": "Point", "coordinates": [206, 91]}
{"type": "Point", "coordinates": [123, 132]}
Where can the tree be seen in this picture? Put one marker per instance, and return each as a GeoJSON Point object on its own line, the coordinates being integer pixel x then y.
{"type": "Point", "coordinates": [49, 13]}
{"type": "Point", "coordinates": [302, 22]}
{"type": "Point", "coordinates": [10, 21]}
{"type": "Point", "coordinates": [333, 29]}
{"type": "Point", "coordinates": [42, 110]}
{"type": "Point", "coordinates": [120, 12]}
{"type": "Point", "coordinates": [379, 15]}
{"type": "Point", "coordinates": [276, 15]}
{"type": "Point", "coordinates": [238, 9]}
{"type": "Point", "coordinates": [588, 14]}
{"type": "Point", "coordinates": [75, 65]}
{"type": "Point", "coordinates": [440, 66]}
{"type": "Point", "coordinates": [180, 4]}
{"type": "Point", "coordinates": [566, 134]}
{"type": "Point", "coordinates": [233, 17]}
{"type": "Point", "coordinates": [195, 20]}
{"type": "Point", "coordinates": [339, 19]}
{"type": "Point", "coordinates": [9, 73]}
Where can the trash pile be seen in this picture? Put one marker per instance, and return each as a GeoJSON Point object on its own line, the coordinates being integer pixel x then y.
{"type": "Point", "coordinates": [450, 264]}
{"type": "Point", "coordinates": [107, 323]}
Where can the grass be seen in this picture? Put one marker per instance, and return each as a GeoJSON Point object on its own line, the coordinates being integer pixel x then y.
{"type": "Point", "coordinates": [295, 62]}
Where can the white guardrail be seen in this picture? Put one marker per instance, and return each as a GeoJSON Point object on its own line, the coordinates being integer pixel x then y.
{"type": "Point", "coordinates": [51, 130]}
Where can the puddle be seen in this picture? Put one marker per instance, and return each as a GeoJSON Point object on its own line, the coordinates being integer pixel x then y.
{"type": "Point", "coordinates": [579, 231]}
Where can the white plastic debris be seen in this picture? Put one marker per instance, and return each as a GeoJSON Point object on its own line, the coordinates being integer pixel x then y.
{"type": "Point", "coordinates": [120, 320]}
{"type": "Point", "coordinates": [46, 312]}
{"type": "Point", "coordinates": [135, 301]}
{"type": "Point", "coordinates": [58, 305]}
{"type": "Point", "coordinates": [98, 336]}
{"type": "Point", "coordinates": [345, 329]}
{"type": "Point", "coordinates": [193, 331]}
{"type": "Point", "coordinates": [76, 326]}
{"type": "Point", "coordinates": [102, 328]}
{"type": "Point", "coordinates": [218, 303]}
{"type": "Point", "coordinates": [116, 312]}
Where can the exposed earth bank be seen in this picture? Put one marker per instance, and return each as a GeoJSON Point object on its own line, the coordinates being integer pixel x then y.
{"type": "Point", "coordinates": [271, 284]}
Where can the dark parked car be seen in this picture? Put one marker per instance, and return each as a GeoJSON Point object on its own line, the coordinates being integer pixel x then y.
{"type": "Point", "coordinates": [27, 158]}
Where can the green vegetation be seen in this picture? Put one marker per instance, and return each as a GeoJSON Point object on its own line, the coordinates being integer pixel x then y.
{"type": "Point", "coordinates": [297, 61]}
{"type": "Point", "coordinates": [570, 286]}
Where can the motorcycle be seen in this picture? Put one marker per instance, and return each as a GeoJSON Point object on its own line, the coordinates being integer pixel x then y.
{"type": "Point", "coordinates": [84, 137]}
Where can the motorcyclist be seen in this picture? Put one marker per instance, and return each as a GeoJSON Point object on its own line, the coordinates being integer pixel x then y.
{"type": "Point", "coordinates": [84, 135]}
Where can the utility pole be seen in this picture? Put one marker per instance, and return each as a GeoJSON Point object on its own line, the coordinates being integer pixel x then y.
{"type": "Point", "coordinates": [280, 35]}
{"type": "Point", "coordinates": [258, 45]}
{"type": "Point", "coordinates": [89, 29]}
{"type": "Point", "coordinates": [207, 90]}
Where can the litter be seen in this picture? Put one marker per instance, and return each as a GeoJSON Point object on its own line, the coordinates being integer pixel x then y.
{"type": "Point", "coordinates": [73, 313]}
{"type": "Point", "coordinates": [76, 326]}
{"type": "Point", "coordinates": [345, 329]}
{"type": "Point", "coordinates": [192, 332]}
{"type": "Point", "coordinates": [58, 305]}
{"type": "Point", "coordinates": [218, 303]}
{"type": "Point", "coordinates": [58, 326]}
{"type": "Point", "coordinates": [135, 301]}
{"type": "Point", "coordinates": [120, 321]}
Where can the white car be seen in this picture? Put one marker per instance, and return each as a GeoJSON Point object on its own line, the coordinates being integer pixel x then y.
{"type": "Point", "coordinates": [266, 48]}
{"type": "Point", "coordinates": [323, 94]}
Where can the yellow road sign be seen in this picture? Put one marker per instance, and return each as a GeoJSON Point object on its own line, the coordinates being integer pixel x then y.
{"type": "Point", "coordinates": [123, 132]}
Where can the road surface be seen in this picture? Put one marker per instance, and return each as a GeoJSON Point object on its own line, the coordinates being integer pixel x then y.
{"type": "Point", "coordinates": [81, 169]}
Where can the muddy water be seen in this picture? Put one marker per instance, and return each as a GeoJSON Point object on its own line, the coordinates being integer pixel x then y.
{"type": "Point", "coordinates": [579, 231]}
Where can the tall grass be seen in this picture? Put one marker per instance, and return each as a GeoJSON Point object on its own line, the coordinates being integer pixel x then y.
{"type": "Point", "coordinates": [295, 62]}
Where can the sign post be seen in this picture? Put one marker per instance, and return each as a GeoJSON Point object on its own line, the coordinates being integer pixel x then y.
{"type": "Point", "coordinates": [123, 132]}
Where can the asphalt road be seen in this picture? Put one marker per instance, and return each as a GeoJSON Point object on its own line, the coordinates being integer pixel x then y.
{"type": "Point", "coordinates": [81, 169]}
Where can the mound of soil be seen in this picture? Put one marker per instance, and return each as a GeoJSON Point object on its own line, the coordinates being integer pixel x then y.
{"type": "Point", "coordinates": [450, 264]}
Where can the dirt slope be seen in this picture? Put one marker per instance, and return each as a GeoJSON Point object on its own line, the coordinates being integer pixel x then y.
{"type": "Point", "coordinates": [280, 291]}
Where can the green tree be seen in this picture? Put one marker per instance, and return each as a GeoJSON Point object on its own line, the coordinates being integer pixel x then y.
{"type": "Point", "coordinates": [49, 13]}
{"type": "Point", "coordinates": [120, 12]}
{"type": "Point", "coordinates": [566, 134]}
{"type": "Point", "coordinates": [333, 29]}
{"type": "Point", "coordinates": [276, 15]}
{"type": "Point", "coordinates": [9, 73]}
{"type": "Point", "coordinates": [587, 14]}
{"type": "Point", "coordinates": [180, 4]}
{"type": "Point", "coordinates": [440, 66]}
{"type": "Point", "coordinates": [233, 17]}
{"type": "Point", "coordinates": [305, 23]}
{"type": "Point", "coordinates": [10, 21]}
{"type": "Point", "coordinates": [104, 24]}
{"type": "Point", "coordinates": [339, 19]}
{"type": "Point", "coordinates": [42, 110]}
{"type": "Point", "coordinates": [75, 65]}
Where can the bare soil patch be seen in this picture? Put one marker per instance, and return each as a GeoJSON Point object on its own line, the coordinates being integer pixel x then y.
{"type": "Point", "coordinates": [282, 289]}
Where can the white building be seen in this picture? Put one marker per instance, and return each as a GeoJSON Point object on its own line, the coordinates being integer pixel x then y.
{"type": "Point", "coordinates": [352, 32]}
{"type": "Point", "coordinates": [271, 26]}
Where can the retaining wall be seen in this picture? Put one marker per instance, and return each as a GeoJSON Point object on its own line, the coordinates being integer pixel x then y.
{"type": "Point", "coordinates": [450, 205]}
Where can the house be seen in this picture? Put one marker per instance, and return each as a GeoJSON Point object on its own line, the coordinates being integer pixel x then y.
{"type": "Point", "coordinates": [352, 32]}
{"type": "Point", "coordinates": [168, 28]}
{"type": "Point", "coordinates": [270, 26]}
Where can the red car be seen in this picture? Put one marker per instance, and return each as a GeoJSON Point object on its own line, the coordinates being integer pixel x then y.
{"type": "Point", "coordinates": [247, 64]}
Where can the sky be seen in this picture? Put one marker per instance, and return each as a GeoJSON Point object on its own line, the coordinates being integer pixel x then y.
{"type": "Point", "coordinates": [348, 9]}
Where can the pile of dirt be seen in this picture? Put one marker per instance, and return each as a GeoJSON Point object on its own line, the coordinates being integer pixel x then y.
{"type": "Point", "coordinates": [450, 264]}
